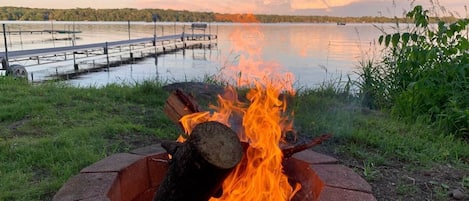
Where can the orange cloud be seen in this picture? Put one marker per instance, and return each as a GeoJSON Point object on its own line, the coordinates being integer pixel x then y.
{"type": "Point", "coordinates": [222, 6]}
{"type": "Point", "coordinates": [318, 4]}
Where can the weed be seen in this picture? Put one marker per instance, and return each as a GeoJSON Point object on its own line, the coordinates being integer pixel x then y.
{"type": "Point", "coordinates": [465, 182]}
{"type": "Point", "coordinates": [369, 170]}
{"type": "Point", "coordinates": [406, 189]}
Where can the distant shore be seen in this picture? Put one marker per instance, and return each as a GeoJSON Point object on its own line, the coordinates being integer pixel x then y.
{"type": "Point", "coordinates": [161, 15]}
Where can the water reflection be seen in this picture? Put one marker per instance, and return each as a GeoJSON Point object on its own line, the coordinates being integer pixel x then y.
{"type": "Point", "coordinates": [312, 52]}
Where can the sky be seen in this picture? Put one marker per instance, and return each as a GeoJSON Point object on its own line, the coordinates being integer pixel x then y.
{"type": "Point", "coordinates": [343, 8]}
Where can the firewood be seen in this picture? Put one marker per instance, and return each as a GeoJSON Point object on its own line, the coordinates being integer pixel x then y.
{"type": "Point", "coordinates": [288, 152]}
{"type": "Point", "coordinates": [179, 104]}
{"type": "Point", "coordinates": [200, 165]}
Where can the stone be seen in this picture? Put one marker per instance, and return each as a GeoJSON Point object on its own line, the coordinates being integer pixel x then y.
{"type": "Point", "coordinates": [314, 158]}
{"type": "Point", "coordinates": [113, 163]}
{"type": "Point", "coordinates": [331, 193]}
{"type": "Point", "coordinates": [149, 150]}
{"type": "Point", "coordinates": [90, 186]}
{"type": "Point", "coordinates": [457, 194]}
{"type": "Point", "coordinates": [339, 176]}
{"type": "Point", "coordinates": [132, 170]}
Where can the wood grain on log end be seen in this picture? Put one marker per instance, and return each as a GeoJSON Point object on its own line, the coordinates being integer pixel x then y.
{"type": "Point", "coordinates": [216, 143]}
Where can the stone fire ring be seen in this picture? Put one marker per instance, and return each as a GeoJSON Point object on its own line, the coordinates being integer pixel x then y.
{"type": "Point", "coordinates": [135, 176]}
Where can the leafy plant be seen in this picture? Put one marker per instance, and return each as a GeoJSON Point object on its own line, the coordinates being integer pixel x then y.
{"type": "Point", "coordinates": [424, 73]}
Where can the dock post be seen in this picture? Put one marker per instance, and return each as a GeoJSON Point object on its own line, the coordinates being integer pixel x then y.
{"type": "Point", "coordinates": [128, 27]}
{"type": "Point", "coordinates": [75, 65]}
{"type": "Point", "coordinates": [106, 51]}
{"type": "Point", "coordinates": [156, 56]}
{"type": "Point", "coordinates": [154, 17]}
{"type": "Point", "coordinates": [6, 64]}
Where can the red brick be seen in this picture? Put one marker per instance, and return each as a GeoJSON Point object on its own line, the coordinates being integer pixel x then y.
{"type": "Point", "coordinates": [89, 186]}
{"type": "Point", "coordinates": [314, 157]}
{"type": "Point", "coordinates": [157, 168]}
{"type": "Point", "coordinates": [147, 195]}
{"type": "Point", "coordinates": [98, 198]}
{"type": "Point", "coordinates": [336, 194]}
{"type": "Point", "coordinates": [335, 175]}
{"type": "Point", "coordinates": [132, 169]}
{"type": "Point", "coordinates": [134, 180]}
{"type": "Point", "coordinates": [300, 171]}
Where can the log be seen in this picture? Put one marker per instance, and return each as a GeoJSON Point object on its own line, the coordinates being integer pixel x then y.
{"type": "Point", "coordinates": [288, 152]}
{"type": "Point", "coordinates": [200, 165]}
{"type": "Point", "coordinates": [179, 104]}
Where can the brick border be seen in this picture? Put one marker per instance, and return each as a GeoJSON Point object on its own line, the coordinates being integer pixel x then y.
{"type": "Point", "coordinates": [135, 176]}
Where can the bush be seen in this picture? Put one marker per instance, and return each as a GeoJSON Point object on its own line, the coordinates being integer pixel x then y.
{"type": "Point", "coordinates": [423, 73]}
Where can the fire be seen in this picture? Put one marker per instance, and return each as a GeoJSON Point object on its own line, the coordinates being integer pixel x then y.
{"type": "Point", "coordinates": [261, 123]}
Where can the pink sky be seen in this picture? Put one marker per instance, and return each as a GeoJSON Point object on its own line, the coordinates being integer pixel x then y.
{"type": "Point", "coordinates": [300, 7]}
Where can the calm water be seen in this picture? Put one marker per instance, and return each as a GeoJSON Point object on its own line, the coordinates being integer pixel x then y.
{"type": "Point", "coordinates": [312, 52]}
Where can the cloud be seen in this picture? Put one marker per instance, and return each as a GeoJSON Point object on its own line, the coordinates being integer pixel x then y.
{"type": "Point", "coordinates": [222, 6]}
{"type": "Point", "coordinates": [318, 4]}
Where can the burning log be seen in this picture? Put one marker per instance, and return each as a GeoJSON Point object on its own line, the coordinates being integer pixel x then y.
{"type": "Point", "coordinates": [200, 165]}
{"type": "Point", "coordinates": [179, 104]}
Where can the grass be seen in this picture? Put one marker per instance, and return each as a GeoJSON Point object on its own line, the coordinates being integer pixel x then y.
{"type": "Point", "coordinates": [51, 131]}
{"type": "Point", "coordinates": [374, 135]}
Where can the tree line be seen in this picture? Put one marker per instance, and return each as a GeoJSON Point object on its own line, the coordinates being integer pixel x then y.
{"type": "Point", "coordinates": [168, 15]}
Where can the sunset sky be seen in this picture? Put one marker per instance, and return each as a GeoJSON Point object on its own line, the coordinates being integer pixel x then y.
{"type": "Point", "coordinates": [387, 8]}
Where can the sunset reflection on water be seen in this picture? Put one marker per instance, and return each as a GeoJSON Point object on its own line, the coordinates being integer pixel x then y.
{"type": "Point", "coordinates": [312, 52]}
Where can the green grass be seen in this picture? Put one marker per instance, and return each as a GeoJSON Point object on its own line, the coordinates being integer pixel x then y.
{"type": "Point", "coordinates": [374, 136]}
{"type": "Point", "coordinates": [51, 131]}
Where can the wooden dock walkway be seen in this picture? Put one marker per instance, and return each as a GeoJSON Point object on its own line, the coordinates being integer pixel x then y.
{"type": "Point", "coordinates": [46, 31]}
{"type": "Point", "coordinates": [56, 50]}
{"type": "Point", "coordinates": [75, 56]}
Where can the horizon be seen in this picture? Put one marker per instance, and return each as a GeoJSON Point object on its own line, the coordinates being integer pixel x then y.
{"type": "Point", "coordinates": [340, 8]}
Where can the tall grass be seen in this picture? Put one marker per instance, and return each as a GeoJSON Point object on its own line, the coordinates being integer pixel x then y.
{"type": "Point", "coordinates": [424, 73]}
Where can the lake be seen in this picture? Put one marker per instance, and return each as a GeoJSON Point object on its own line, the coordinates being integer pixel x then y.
{"type": "Point", "coordinates": [313, 53]}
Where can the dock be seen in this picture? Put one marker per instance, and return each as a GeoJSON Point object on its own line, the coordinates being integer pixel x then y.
{"type": "Point", "coordinates": [46, 31]}
{"type": "Point", "coordinates": [69, 61]}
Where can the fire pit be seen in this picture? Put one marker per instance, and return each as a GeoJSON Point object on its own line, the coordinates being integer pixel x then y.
{"type": "Point", "coordinates": [135, 176]}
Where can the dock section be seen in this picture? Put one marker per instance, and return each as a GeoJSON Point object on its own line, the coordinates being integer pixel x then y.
{"type": "Point", "coordinates": [69, 61]}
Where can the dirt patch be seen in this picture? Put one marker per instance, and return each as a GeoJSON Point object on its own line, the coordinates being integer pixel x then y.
{"type": "Point", "coordinates": [15, 125]}
{"type": "Point", "coordinates": [398, 181]}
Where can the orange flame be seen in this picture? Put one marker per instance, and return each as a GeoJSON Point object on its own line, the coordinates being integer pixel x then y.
{"type": "Point", "coordinates": [261, 123]}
